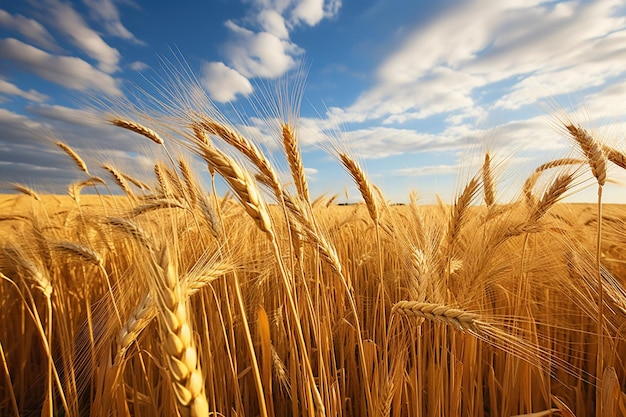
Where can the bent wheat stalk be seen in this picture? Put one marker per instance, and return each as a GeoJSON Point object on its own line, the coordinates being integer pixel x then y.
{"type": "Point", "coordinates": [597, 161]}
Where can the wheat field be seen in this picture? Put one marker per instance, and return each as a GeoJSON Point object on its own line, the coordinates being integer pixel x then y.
{"type": "Point", "coordinates": [129, 297]}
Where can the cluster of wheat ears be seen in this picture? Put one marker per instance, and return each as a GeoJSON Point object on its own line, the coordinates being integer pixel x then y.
{"type": "Point", "coordinates": [171, 299]}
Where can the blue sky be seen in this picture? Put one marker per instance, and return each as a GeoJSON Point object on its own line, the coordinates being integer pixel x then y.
{"type": "Point", "coordinates": [417, 90]}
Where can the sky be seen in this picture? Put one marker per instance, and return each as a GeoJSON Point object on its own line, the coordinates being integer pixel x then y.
{"type": "Point", "coordinates": [418, 91]}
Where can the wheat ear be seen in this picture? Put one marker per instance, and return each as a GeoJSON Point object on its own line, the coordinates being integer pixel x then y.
{"type": "Point", "coordinates": [488, 186]}
{"type": "Point", "coordinates": [178, 344]}
{"type": "Point", "coordinates": [243, 145]}
{"type": "Point", "coordinates": [460, 319]}
{"type": "Point", "coordinates": [120, 180]}
{"type": "Point", "coordinates": [242, 185]}
{"type": "Point", "coordinates": [74, 156]}
{"type": "Point", "coordinates": [551, 197]}
{"type": "Point", "coordinates": [459, 210]}
{"type": "Point", "coordinates": [146, 310]}
{"type": "Point", "coordinates": [137, 128]}
{"type": "Point", "coordinates": [592, 151]}
{"type": "Point", "coordinates": [530, 182]}
{"type": "Point", "coordinates": [361, 181]}
{"type": "Point", "coordinates": [26, 190]}
{"type": "Point", "coordinates": [615, 156]}
{"type": "Point", "coordinates": [292, 151]}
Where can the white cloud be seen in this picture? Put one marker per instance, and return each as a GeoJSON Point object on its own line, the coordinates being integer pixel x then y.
{"type": "Point", "coordinates": [427, 170]}
{"type": "Point", "coordinates": [29, 28]}
{"type": "Point", "coordinates": [381, 142]}
{"type": "Point", "coordinates": [272, 22]}
{"type": "Point", "coordinates": [71, 72]}
{"type": "Point", "coordinates": [13, 122]}
{"type": "Point", "coordinates": [607, 103]}
{"type": "Point", "coordinates": [260, 46]}
{"type": "Point", "coordinates": [11, 89]}
{"type": "Point", "coordinates": [259, 54]}
{"type": "Point", "coordinates": [68, 115]}
{"type": "Point", "coordinates": [106, 12]}
{"type": "Point", "coordinates": [138, 66]}
{"type": "Point", "coordinates": [65, 19]}
{"type": "Point", "coordinates": [448, 64]}
{"type": "Point", "coordinates": [309, 11]}
{"type": "Point", "coordinates": [224, 83]}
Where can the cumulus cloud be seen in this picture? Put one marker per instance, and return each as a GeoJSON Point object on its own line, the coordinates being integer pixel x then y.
{"type": "Point", "coordinates": [11, 89]}
{"type": "Point", "coordinates": [30, 28]}
{"type": "Point", "coordinates": [259, 54]}
{"type": "Point", "coordinates": [71, 72]}
{"type": "Point", "coordinates": [224, 83]}
{"type": "Point", "coordinates": [259, 45]}
{"type": "Point", "coordinates": [106, 12]}
{"type": "Point", "coordinates": [66, 20]}
{"type": "Point", "coordinates": [272, 22]}
{"type": "Point", "coordinates": [309, 11]}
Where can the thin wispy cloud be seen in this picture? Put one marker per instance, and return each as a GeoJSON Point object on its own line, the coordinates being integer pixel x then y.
{"type": "Point", "coordinates": [73, 26]}
{"type": "Point", "coordinates": [34, 31]}
{"type": "Point", "coordinates": [108, 15]}
{"type": "Point", "coordinates": [70, 72]}
{"type": "Point", "coordinates": [444, 66]}
{"type": "Point", "coordinates": [13, 90]}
